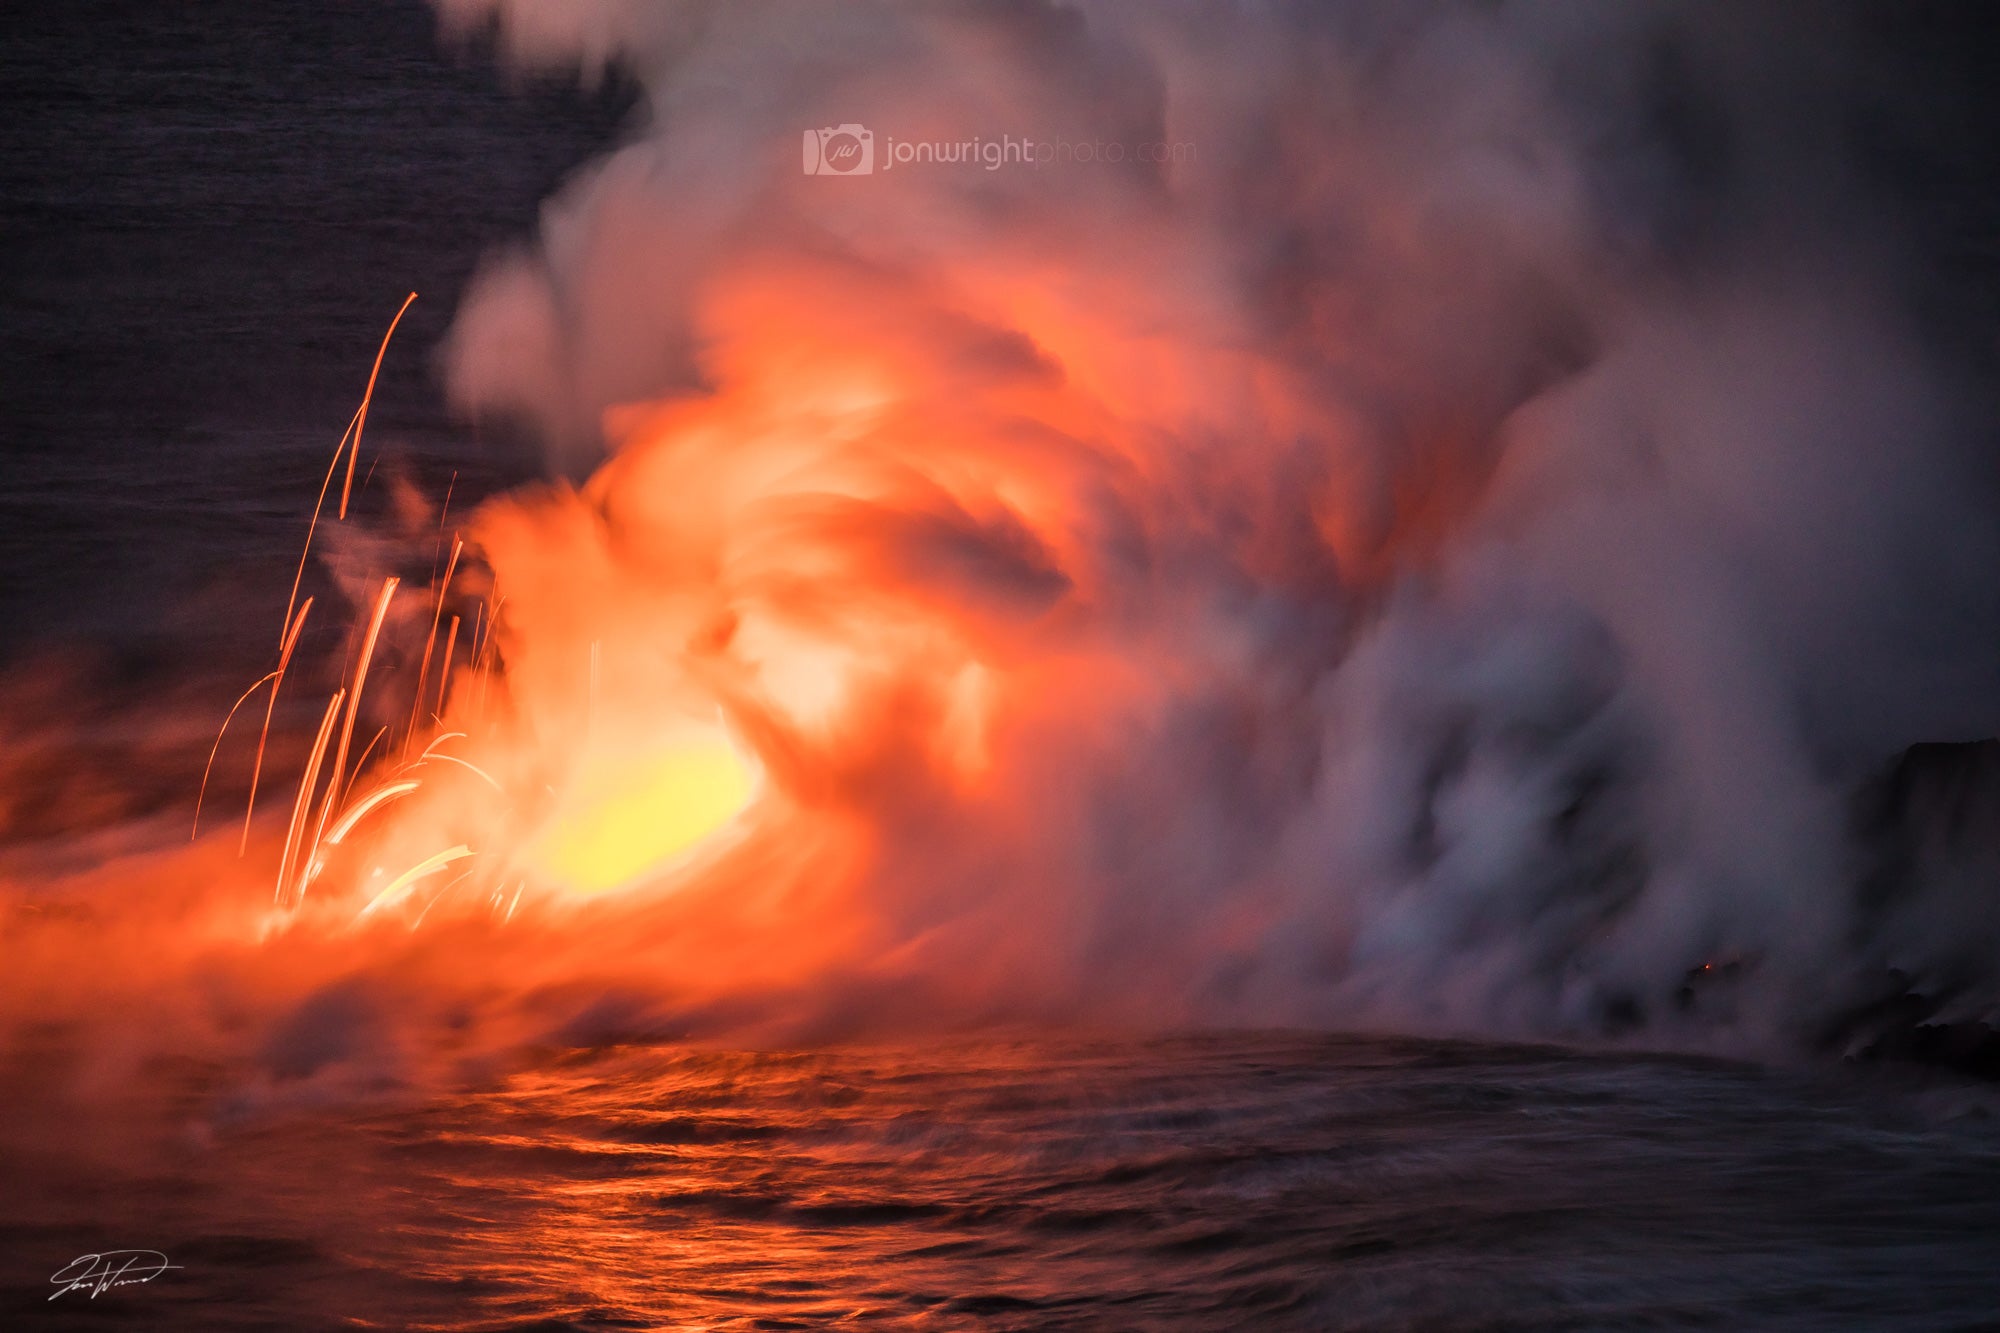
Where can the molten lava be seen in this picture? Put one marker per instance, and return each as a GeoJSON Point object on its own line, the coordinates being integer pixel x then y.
{"type": "Point", "coordinates": [624, 815]}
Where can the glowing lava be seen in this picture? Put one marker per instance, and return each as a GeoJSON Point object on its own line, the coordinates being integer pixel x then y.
{"type": "Point", "coordinates": [626, 814]}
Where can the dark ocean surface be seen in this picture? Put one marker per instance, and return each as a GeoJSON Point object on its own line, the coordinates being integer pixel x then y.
{"type": "Point", "coordinates": [1231, 1181]}
{"type": "Point", "coordinates": [208, 214]}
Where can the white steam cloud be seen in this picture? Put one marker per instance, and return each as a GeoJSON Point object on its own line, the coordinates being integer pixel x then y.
{"type": "Point", "coordinates": [1503, 490]}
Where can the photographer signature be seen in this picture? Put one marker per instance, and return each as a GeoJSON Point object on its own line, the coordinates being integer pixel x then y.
{"type": "Point", "coordinates": [99, 1273]}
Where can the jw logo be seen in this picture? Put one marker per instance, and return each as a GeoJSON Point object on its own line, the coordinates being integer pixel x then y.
{"type": "Point", "coordinates": [843, 150]}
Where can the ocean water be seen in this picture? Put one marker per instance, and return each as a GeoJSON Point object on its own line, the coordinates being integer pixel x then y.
{"type": "Point", "coordinates": [207, 214]}
{"type": "Point", "coordinates": [1244, 1180]}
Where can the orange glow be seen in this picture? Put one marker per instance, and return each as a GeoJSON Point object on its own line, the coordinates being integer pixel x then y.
{"type": "Point", "coordinates": [633, 813]}
{"type": "Point", "coordinates": [847, 628]}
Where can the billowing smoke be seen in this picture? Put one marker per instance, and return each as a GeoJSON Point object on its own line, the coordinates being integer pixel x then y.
{"type": "Point", "coordinates": [1464, 517]}
{"type": "Point", "coordinates": [1423, 514]}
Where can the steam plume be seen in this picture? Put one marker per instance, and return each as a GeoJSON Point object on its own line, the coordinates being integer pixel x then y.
{"type": "Point", "coordinates": [1429, 521]}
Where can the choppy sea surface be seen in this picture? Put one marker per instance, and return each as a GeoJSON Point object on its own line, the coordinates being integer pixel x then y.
{"type": "Point", "coordinates": [1217, 1181]}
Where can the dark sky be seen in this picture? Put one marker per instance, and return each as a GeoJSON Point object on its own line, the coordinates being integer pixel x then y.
{"type": "Point", "coordinates": [208, 213]}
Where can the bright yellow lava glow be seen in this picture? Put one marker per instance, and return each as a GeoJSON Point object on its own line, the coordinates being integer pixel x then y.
{"type": "Point", "coordinates": [627, 816]}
